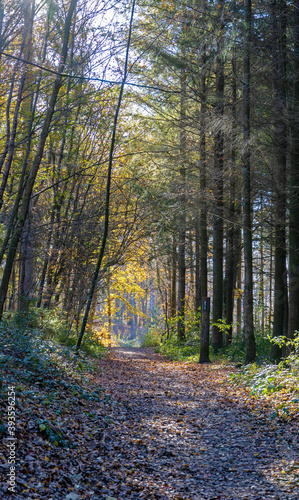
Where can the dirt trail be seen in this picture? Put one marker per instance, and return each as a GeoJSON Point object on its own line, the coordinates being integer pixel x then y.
{"type": "Point", "coordinates": [179, 431]}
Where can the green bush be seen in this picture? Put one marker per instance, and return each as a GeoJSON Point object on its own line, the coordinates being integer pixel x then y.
{"type": "Point", "coordinates": [165, 339]}
{"type": "Point", "coordinates": [50, 323]}
{"type": "Point", "coordinates": [91, 344]}
{"type": "Point", "coordinates": [152, 338]}
{"type": "Point", "coordinates": [43, 337]}
{"type": "Point", "coordinates": [279, 383]}
{"type": "Point", "coordinates": [177, 351]}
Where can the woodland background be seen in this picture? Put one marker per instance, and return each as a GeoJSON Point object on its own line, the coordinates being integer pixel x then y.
{"type": "Point", "coordinates": [204, 195]}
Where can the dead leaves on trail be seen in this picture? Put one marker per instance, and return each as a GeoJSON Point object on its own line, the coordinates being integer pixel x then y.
{"type": "Point", "coordinates": [197, 434]}
{"type": "Point", "coordinates": [158, 430]}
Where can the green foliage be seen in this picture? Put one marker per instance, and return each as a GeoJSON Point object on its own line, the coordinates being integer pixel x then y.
{"type": "Point", "coordinates": [261, 380]}
{"type": "Point", "coordinates": [166, 341]}
{"type": "Point", "coordinates": [236, 351]}
{"type": "Point", "coordinates": [176, 351]}
{"type": "Point", "coordinates": [189, 350]}
{"type": "Point", "coordinates": [266, 379]}
{"type": "Point", "coordinates": [278, 383]}
{"type": "Point", "coordinates": [223, 326]}
{"type": "Point", "coordinates": [52, 325]}
{"type": "Point", "coordinates": [91, 344]}
{"type": "Point", "coordinates": [263, 347]}
{"type": "Point", "coordinates": [292, 346]}
{"type": "Point", "coordinates": [152, 338]}
{"type": "Point", "coordinates": [28, 354]}
{"type": "Point", "coordinates": [191, 322]}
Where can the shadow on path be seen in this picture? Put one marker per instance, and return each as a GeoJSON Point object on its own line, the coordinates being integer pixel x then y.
{"type": "Point", "coordinates": [180, 432]}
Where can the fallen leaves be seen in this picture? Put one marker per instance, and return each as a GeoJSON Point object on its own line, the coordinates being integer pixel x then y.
{"type": "Point", "coordinates": [142, 427]}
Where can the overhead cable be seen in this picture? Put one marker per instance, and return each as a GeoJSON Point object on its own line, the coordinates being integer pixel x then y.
{"type": "Point", "coordinates": [87, 78]}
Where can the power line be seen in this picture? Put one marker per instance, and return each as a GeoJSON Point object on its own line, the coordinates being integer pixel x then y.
{"type": "Point", "coordinates": [87, 78]}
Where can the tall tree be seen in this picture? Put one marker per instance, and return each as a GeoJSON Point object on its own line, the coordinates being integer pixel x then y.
{"type": "Point", "coordinates": [203, 173]}
{"type": "Point", "coordinates": [217, 339]}
{"type": "Point", "coordinates": [279, 21]}
{"type": "Point", "coordinates": [233, 247]}
{"type": "Point", "coordinates": [294, 183]}
{"type": "Point", "coordinates": [247, 207]}
{"type": "Point", "coordinates": [182, 228]}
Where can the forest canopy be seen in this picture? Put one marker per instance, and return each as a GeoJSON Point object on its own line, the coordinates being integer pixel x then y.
{"type": "Point", "coordinates": [190, 109]}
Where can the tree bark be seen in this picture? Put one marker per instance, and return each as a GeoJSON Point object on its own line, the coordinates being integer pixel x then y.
{"type": "Point", "coordinates": [250, 354]}
{"type": "Point", "coordinates": [26, 283]}
{"type": "Point", "coordinates": [262, 273]}
{"type": "Point", "coordinates": [205, 329]}
{"type": "Point", "coordinates": [203, 223]}
{"type": "Point", "coordinates": [22, 179]}
{"type": "Point", "coordinates": [197, 297]}
{"type": "Point", "coordinates": [182, 229]}
{"type": "Point", "coordinates": [217, 336]}
{"type": "Point", "coordinates": [239, 295]}
{"type": "Point", "coordinates": [173, 279]}
{"type": "Point", "coordinates": [294, 187]}
{"type": "Point", "coordinates": [280, 322]}
{"type": "Point", "coordinates": [181, 283]}
{"type": "Point", "coordinates": [231, 249]}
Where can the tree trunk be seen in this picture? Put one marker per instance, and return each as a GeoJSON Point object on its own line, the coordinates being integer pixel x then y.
{"type": "Point", "coordinates": [197, 298]}
{"type": "Point", "coordinates": [46, 261]}
{"type": "Point", "coordinates": [231, 249]}
{"type": "Point", "coordinates": [239, 296]}
{"type": "Point", "coordinates": [182, 228]}
{"type": "Point", "coordinates": [26, 267]}
{"type": "Point", "coordinates": [205, 328]}
{"type": "Point", "coordinates": [247, 216]}
{"type": "Point", "coordinates": [173, 280]}
{"type": "Point", "coordinates": [294, 190]}
{"type": "Point", "coordinates": [181, 283]}
{"type": "Point", "coordinates": [262, 279]}
{"type": "Point", "coordinates": [12, 78]}
{"type": "Point", "coordinates": [192, 265]}
{"type": "Point", "coordinates": [217, 337]}
{"type": "Point", "coordinates": [203, 224]}
{"type": "Point", "coordinates": [270, 316]}
{"type": "Point", "coordinates": [280, 146]}
{"type": "Point", "coordinates": [22, 178]}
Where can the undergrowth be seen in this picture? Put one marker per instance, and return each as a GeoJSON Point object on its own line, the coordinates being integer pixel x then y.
{"type": "Point", "coordinates": [35, 349]}
{"type": "Point", "coordinates": [166, 343]}
{"type": "Point", "coordinates": [276, 384]}
{"type": "Point", "coordinates": [52, 325]}
{"type": "Point", "coordinates": [129, 342]}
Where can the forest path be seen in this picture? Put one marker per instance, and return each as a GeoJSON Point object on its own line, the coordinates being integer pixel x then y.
{"type": "Point", "coordinates": [180, 431]}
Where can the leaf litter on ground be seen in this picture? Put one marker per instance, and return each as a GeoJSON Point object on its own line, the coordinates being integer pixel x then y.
{"type": "Point", "coordinates": [134, 425]}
